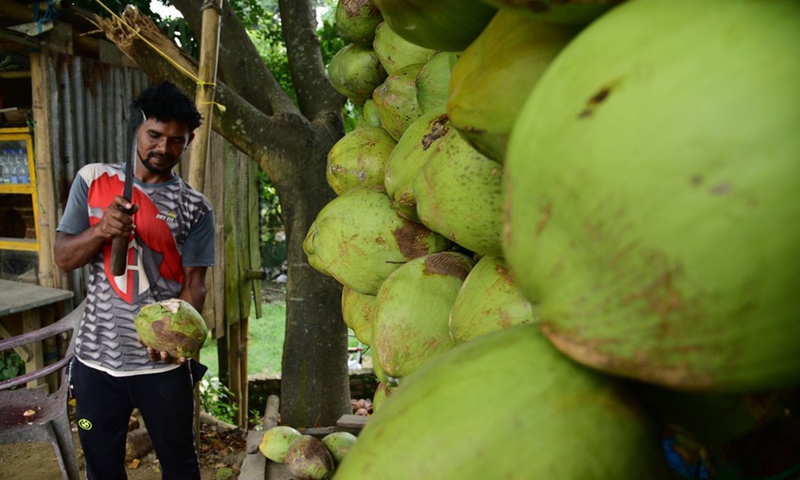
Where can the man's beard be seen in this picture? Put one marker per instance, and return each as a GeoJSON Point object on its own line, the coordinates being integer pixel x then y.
{"type": "Point", "coordinates": [159, 170]}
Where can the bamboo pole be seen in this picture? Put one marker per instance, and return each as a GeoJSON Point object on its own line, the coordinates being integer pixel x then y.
{"type": "Point", "coordinates": [204, 97]}
{"type": "Point", "coordinates": [42, 84]}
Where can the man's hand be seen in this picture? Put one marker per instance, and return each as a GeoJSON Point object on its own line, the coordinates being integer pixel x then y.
{"type": "Point", "coordinates": [165, 357]}
{"type": "Point", "coordinates": [118, 218]}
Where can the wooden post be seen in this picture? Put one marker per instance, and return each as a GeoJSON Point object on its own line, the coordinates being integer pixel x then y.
{"type": "Point", "coordinates": [41, 84]}
{"type": "Point", "coordinates": [209, 49]}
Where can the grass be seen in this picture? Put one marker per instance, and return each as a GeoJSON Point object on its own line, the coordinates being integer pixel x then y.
{"type": "Point", "coordinates": [264, 345]}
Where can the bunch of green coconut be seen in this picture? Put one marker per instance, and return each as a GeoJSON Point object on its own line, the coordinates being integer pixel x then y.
{"type": "Point", "coordinates": [567, 229]}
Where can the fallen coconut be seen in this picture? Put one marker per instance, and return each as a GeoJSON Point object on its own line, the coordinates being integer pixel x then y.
{"type": "Point", "coordinates": [339, 444]}
{"type": "Point", "coordinates": [276, 442]}
{"type": "Point", "coordinates": [308, 459]}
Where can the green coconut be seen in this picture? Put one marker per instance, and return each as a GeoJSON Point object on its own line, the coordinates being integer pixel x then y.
{"type": "Point", "coordinates": [396, 100]}
{"type": "Point", "coordinates": [448, 25]}
{"type": "Point", "coordinates": [411, 312]}
{"type": "Point", "coordinates": [506, 405]}
{"type": "Point", "coordinates": [356, 21]}
{"type": "Point", "coordinates": [394, 52]}
{"type": "Point", "coordinates": [379, 373]}
{"type": "Point", "coordinates": [488, 301]}
{"type": "Point", "coordinates": [382, 392]}
{"type": "Point", "coordinates": [369, 115]}
{"type": "Point", "coordinates": [566, 12]}
{"type": "Point", "coordinates": [339, 444]}
{"type": "Point", "coordinates": [358, 311]}
{"type": "Point", "coordinates": [172, 326]}
{"type": "Point", "coordinates": [652, 200]}
{"type": "Point", "coordinates": [419, 141]}
{"type": "Point", "coordinates": [276, 442]}
{"type": "Point", "coordinates": [433, 80]}
{"type": "Point", "coordinates": [359, 159]}
{"type": "Point", "coordinates": [308, 459]}
{"type": "Point", "coordinates": [459, 194]}
{"type": "Point", "coordinates": [494, 76]}
{"type": "Point", "coordinates": [355, 71]}
{"type": "Point", "coordinates": [358, 239]}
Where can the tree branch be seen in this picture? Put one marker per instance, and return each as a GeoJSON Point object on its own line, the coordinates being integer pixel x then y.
{"type": "Point", "coordinates": [317, 98]}
{"type": "Point", "coordinates": [239, 62]}
{"type": "Point", "coordinates": [269, 139]}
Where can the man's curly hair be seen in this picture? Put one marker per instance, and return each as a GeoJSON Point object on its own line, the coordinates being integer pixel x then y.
{"type": "Point", "coordinates": [166, 102]}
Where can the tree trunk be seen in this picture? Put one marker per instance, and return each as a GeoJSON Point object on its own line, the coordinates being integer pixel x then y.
{"type": "Point", "coordinates": [291, 146]}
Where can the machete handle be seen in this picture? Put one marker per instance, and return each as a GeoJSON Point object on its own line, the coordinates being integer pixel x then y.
{"type": "Point", "coordinates": [119, 255]}
{"type": "Point", "coordinates": [119, 252]}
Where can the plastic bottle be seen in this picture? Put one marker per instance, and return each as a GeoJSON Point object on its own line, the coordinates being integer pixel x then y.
{"type": "Point", "coordinates": [4, 166]}
{"type": "Point", "coordinates": [24, 171]}
{"type": "Point", "coordinates": [14, 171]}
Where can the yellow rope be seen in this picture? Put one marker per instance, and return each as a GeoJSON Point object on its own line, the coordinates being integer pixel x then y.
{"type": "Point", "coordinates": [156, 49]}
{"type": "Point", "coordinates": [220, 106]}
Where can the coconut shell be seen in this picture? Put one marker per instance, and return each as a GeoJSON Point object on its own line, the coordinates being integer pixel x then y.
{"type": "Point", "coordinates": [506, 405]}
{"type": "Point", "coordinates": [358, 239]}
{"type": "Point", "coordinates": [308, 459]}
{"type": "Point", "coordinates": [459, 194]}
{"type": "Point", "coordinates": [369, 115]}
{"type": "Point", "coordinates": [408, 157]}
{"type": "Point", "coordinates": [396, 100]}
{"type": "Point", "coordinates": [488, 301]}
{"type": "Point", "coordinates": [448, 25]}
{"type": "Point", "coordinates": [394, 52]}
{"type": "Point", "coordinates": [172, 326]}
{"type": "Point", "coordinates": [411, 312]}
{"type": "Point", "coordinates": [684, 270]}
{"type": "Point", "coordinates": [359, 159]}
{"type": "Point", "coordinates": [276, 442]}
{"type": "Point", "coordinates": [494, 76]}
{"type": "Point", "coordinates": [356, 21]}
{"type": "Point", "coordinates": [358, 310]}
{"type": "Point", "coordinates": [355, 71]}
{"type": "Point", "coordinates": [382, 393]}
{"type": "Point", "coordinates": [433, 80]}
{"type": "Point", "coordinates": [339, 444]}
{"type": "Point", "coordinates": [563, 12]}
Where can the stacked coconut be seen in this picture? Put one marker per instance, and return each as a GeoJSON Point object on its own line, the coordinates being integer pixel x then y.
{"type": "Point", "coordinates": [550, 230]}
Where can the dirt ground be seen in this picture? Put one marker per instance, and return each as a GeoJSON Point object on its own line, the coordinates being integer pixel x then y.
{"type": "Point", "coordinates": [218, 450]}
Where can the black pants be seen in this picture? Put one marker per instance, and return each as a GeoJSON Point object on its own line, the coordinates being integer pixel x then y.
{"type": "Point", "coordinates": [103, 407]}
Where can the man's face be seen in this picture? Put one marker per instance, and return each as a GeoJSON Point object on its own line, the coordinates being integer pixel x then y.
{"type": "Point", "coordinates": [161, 144]}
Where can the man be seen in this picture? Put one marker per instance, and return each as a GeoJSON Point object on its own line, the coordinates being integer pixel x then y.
{"type": "Point", "coordinates": [171, 244]}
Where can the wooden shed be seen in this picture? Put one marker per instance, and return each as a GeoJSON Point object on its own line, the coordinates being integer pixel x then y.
{"type": "Point", "coordinates": [64, 95]}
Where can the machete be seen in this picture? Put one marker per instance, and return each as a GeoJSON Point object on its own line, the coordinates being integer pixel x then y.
{"type": "Point", "coordinates": [119, 245]}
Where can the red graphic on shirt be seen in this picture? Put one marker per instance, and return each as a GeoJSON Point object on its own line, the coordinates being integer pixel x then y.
{"type": "Point", "coordinates": [151, 233]}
